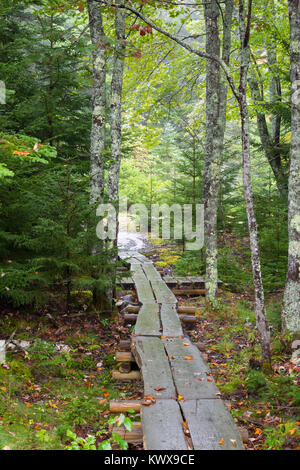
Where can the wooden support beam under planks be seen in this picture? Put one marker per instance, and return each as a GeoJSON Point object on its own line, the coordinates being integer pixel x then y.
{"type": "Point", "coordinates": [122, 406]}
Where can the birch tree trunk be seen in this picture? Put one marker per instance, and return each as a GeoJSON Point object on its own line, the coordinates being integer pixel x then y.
{"type": "Point", "coordinates": [260, 313]}
{"type": "Point", "coordinates": [98, 39]}
{"type": "Point", "coordinates": [216, 100]}
{"type": "Point", "coordinates": [291, 302]}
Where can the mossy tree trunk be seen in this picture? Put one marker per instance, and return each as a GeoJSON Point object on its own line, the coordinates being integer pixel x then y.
{"type": "Point", "coordinates": [97, 181]}
{"type": "Point", "coordinates": [291, 302]}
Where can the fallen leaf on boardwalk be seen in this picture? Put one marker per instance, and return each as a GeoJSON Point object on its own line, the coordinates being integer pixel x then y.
{"type": "Point", "coordinates": [209, 379]}
{"type": "Point", "coordinates": [233, 441]}
{"type": "Point", "coordinates": [149, 397]}
{"type": "Point", "coordinates": [158, 389]}
{"type": "Point", "coordinates": [188, 358]}
{"type": "Point", "coordinates": [185, 344]}
{"type": "Point", "coordinates": [180, 397]}
{"type": "Point", "coordinates": [221, 442]}
{"type": "Point", "coordinates": [163, 337]}
{"type": "Point", "coordinates": [185, 424]}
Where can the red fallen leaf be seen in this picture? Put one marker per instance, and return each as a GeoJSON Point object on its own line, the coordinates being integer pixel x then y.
{"type": "Point", "coordinates": [5, 366]}
{"type": "Point", "coordinates": [158, 389]}
{"type": "Point", "coordinates": [209, 379]}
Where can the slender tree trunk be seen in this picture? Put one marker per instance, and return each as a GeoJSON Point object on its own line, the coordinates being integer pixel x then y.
{"type": "Point", "coordinates": [216, 100]}
{"type": "Point", "coordinates": [260, 312]}
{"type": "Point", "coordinates": [98, 38]}
{"type": "Point", "coordinates": [291, 303]}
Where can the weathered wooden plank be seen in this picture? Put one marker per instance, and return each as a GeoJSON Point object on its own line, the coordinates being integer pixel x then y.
{"type": "Point", "coordinates": [148, 322]}
{"type": "Point", "coordinates": [171, 325]}
{"type": "Point", "coordinates": [151, 273]}
{"type": "Point", "coordinates": [143, 289]}
{"type": "Point", "coordinates": [136, 268]}
{"type": "Point", "coordinates": [181, 347]}
{"type": "Point", "coordinates": [162, 426]}
{"type": "Point", "coordinates": [211, 425]}
{"type": "Point", "coordinates": [190, 372]}
{"type": "Point", "coordinates": [152, 359]}
{"type": "Point", "coordinates": [163, 293]}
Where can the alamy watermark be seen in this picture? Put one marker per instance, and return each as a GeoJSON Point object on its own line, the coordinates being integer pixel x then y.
{"type": "Point", "coordinates": [180, 222]}
{"type": "Point", "coordinates": [2, 93]}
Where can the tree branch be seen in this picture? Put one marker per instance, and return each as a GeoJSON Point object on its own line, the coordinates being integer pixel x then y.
{"type": "Point", "coordinates": [174, 38]}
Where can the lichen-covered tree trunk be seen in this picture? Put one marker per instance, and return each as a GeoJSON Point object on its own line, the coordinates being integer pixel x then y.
{"type": "Point", "coordinates": [97, 181]}
{"type": "Point", "coordinates": [291, 303]}
{"type": "Point", "coordinates": [260, 313]}
{"type": "Point", "coordinates": [116, 106]}
{"type": "Point", "coordinates": [216, 99]}
{"type": "Point", "coordinates": [116, 128]}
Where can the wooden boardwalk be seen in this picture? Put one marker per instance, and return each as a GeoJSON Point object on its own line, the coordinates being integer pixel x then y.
{"type": "Point", "coordinates": [184, 395]}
